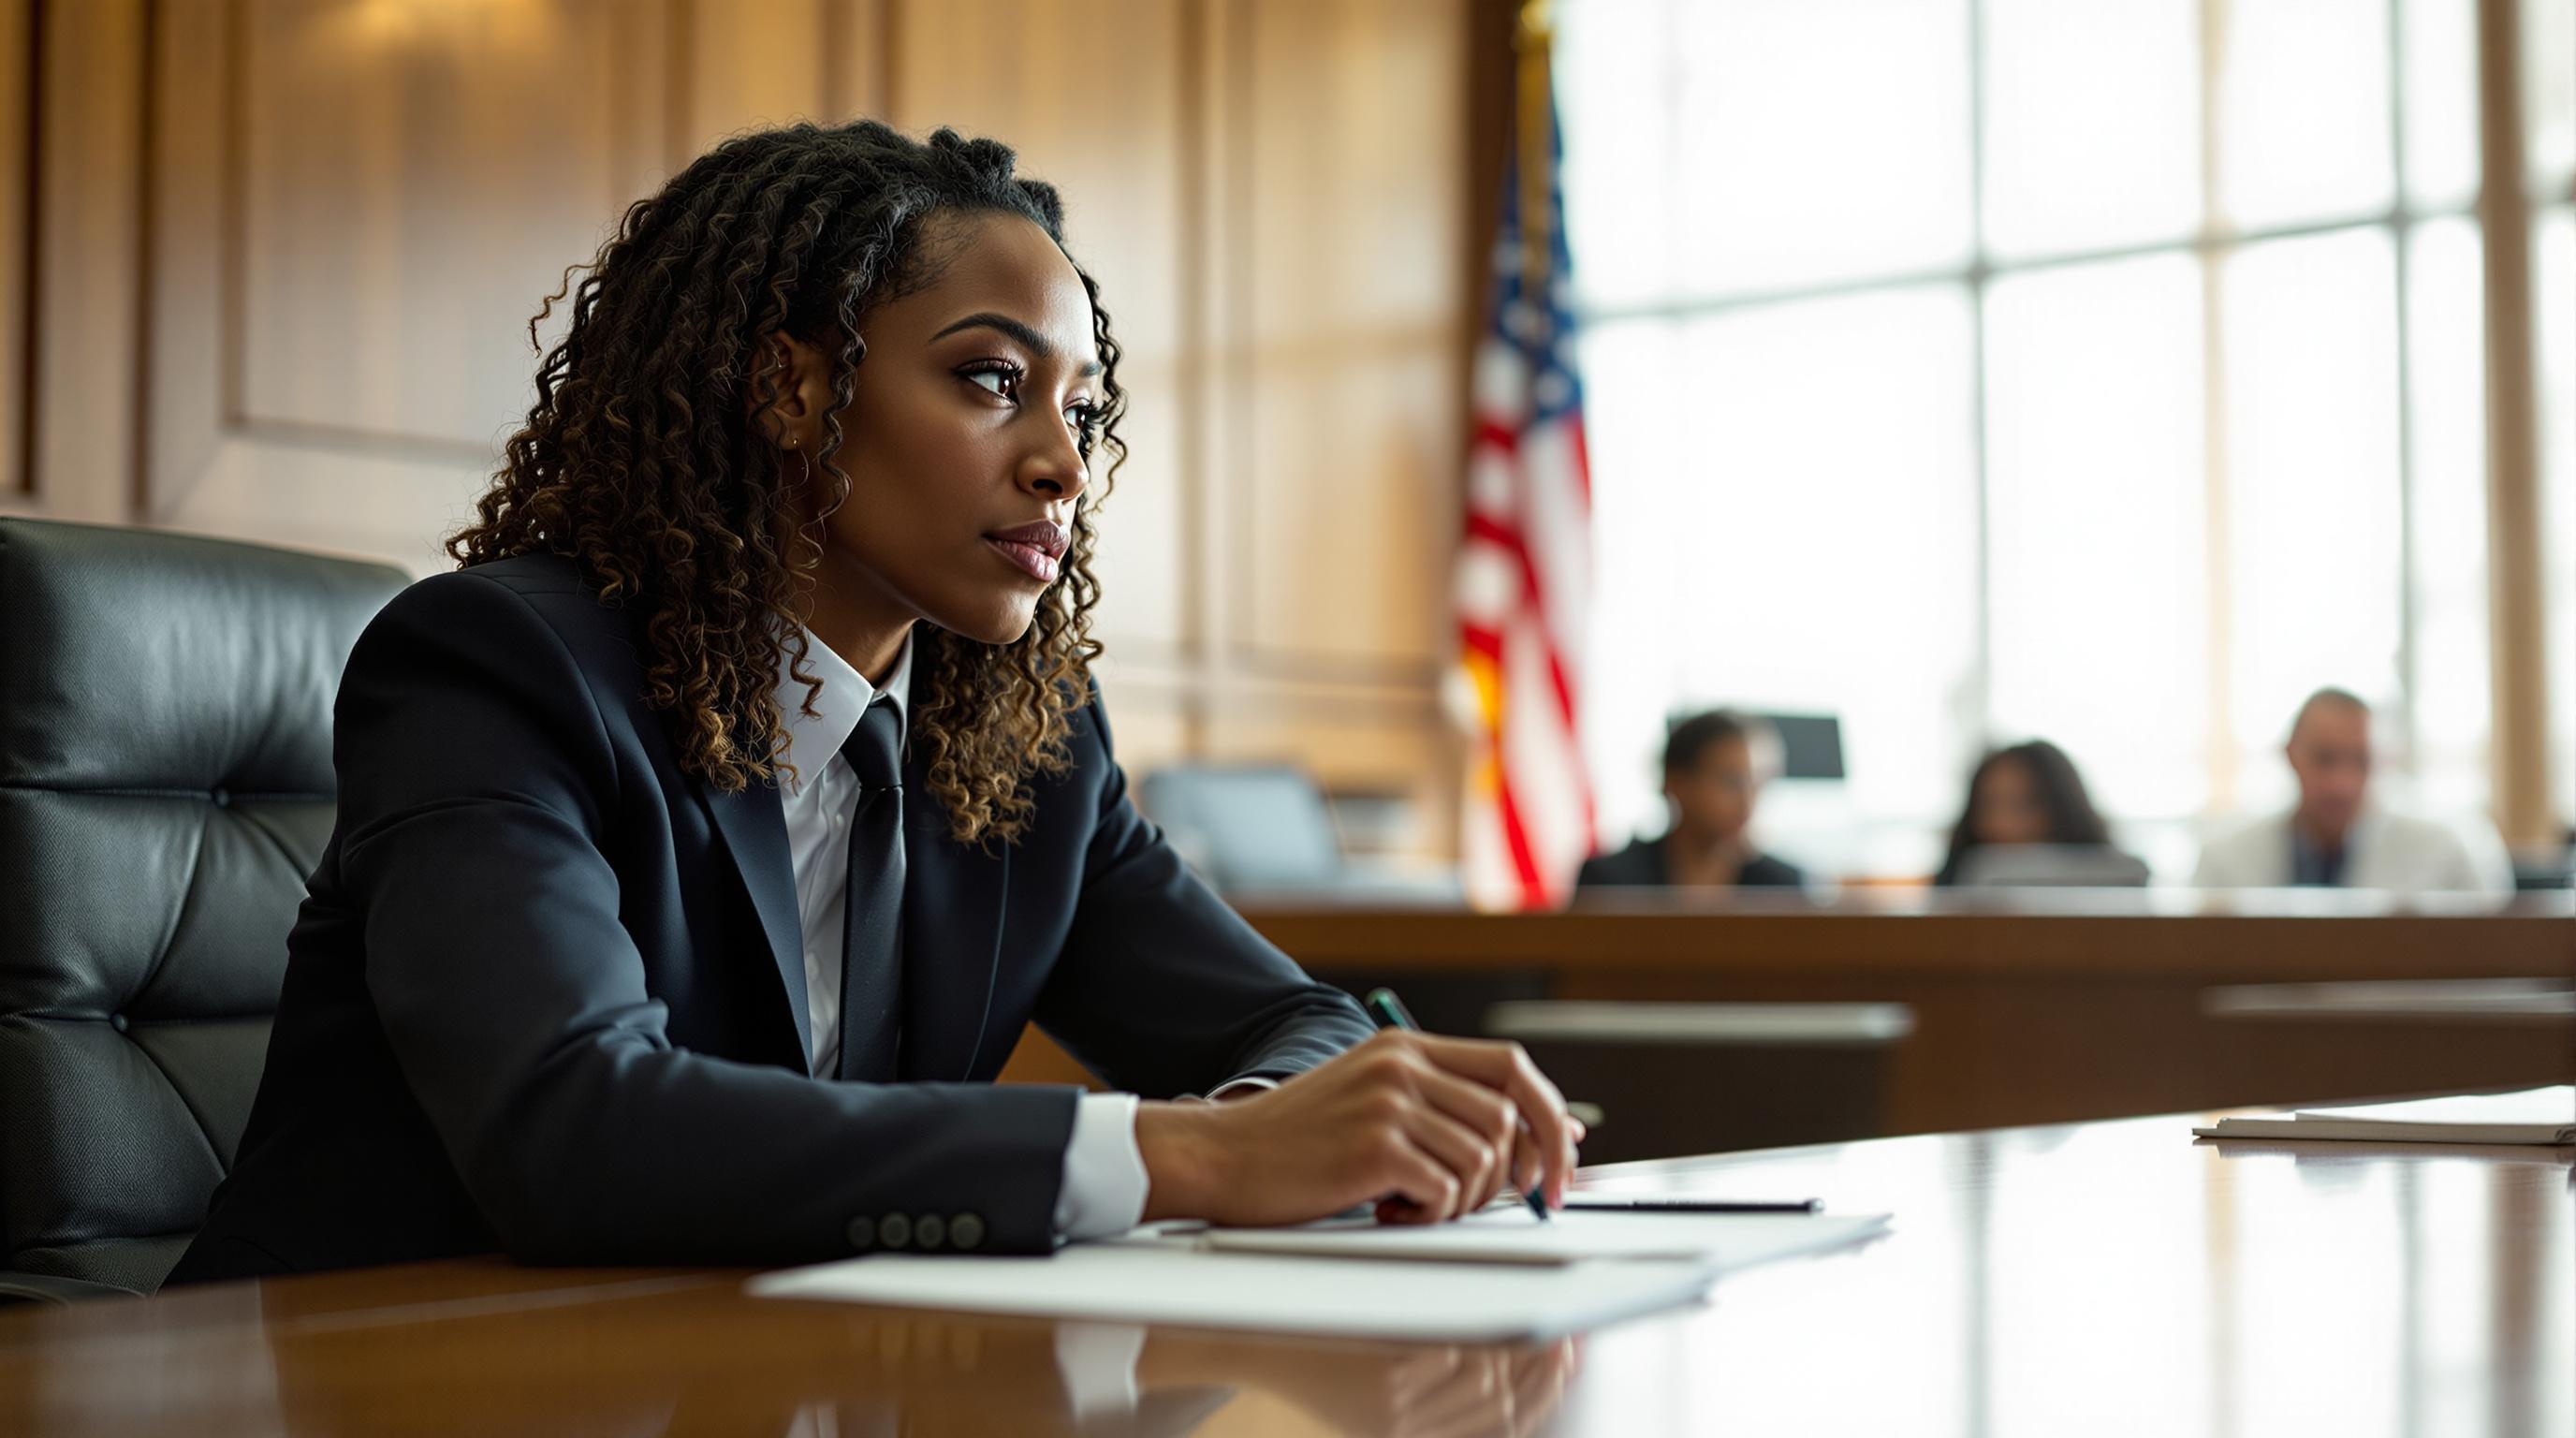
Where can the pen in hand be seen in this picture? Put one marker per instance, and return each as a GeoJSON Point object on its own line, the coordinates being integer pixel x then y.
{"type": "Point", "coordinates": [1390, 1013]}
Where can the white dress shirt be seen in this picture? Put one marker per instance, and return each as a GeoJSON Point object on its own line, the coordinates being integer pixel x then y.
{"type": "Point", "coordinates": [1104, 1173]}
{"type": "Point", "coordinates": [2386, 850]}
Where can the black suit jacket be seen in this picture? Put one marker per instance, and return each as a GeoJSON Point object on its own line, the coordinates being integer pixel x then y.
{"type": "Point", "coordinates": [546, 993]}
{"type": "Point", "coordinates": [1642, 865]}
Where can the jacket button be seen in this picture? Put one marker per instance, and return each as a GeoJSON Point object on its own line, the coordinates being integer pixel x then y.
{"type": "Point", "coordinates": [965, 1231]}
{"type": "Point", "coordinates": [930, 1231]}
{"type": "Point", "coordinates": [894, 1231]}
{"type": "Point", "coordinates": [862, 1233]}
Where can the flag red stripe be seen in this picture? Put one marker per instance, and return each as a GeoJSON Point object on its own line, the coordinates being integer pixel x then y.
{"type": "Point", "coordinates": [1564, 691]}
{"type": "Point", "coordinates": [1508, 539]}
{"type": "Point", "coordinates": [1582, 447]}
{"type": "Point", "coordinates": [1516, 839]}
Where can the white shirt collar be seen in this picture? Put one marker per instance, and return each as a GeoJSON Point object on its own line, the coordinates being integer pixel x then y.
{"type": "Point", "coordinates": [813, 740]}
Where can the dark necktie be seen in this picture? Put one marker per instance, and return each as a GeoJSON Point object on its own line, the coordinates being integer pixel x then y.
{"type": "Point", "coordinates": [872, 925]}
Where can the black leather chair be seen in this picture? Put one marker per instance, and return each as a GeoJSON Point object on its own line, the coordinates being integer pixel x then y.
{"type": "Point", "coordinates": [165, 787]}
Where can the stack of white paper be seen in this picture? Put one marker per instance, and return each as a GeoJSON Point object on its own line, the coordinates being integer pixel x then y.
{"type": "Point", "coordinates": [1500, 1275]}
{"type": "Point", "coordinates": [1152, 1283]}
{"type": "Point", "coordinates": [1720, 1241]}
{"type": "Point", "coordinates": [2539, 1115]}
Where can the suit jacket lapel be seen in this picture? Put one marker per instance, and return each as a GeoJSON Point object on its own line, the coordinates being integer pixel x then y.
{"type": "Point", "coordinates": [953, 900]}
{"type": "Point", "coordinates": [754, 825]}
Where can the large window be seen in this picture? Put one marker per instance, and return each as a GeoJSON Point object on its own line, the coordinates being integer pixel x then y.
{"type": "Point", "coordinates": [2549, 81]}
{"type": "Point", "coordinates": [2109, 371]}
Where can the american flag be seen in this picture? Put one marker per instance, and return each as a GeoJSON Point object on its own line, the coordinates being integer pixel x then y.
{"type": "Point", "coordinates": [1525, 559]}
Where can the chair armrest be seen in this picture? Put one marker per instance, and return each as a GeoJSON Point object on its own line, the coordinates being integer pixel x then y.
{"type": "Point", "coordinates": [26, 1288]}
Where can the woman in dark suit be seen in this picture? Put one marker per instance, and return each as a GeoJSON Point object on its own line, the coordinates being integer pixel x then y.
{"type": "Point", "coordinates": [1715, 765]}
{"type": "Point", "coordinates": [706, 840]}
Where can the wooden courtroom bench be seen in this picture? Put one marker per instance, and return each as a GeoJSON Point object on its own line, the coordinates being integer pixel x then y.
{"type": "Point", "coordinates": [2037, 1008]}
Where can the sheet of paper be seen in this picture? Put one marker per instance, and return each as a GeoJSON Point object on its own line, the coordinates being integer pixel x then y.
{"type": "Point", "coordinates": [2531, 1116]}
{"type": "Point", "coordinates": [2543, 1106]}
{"type": "Point", "coordinates": [1169, 1282]}
{"type": "Point", "coordinates": [1513, 1235]}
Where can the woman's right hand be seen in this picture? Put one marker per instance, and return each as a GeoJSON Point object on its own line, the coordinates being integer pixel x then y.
{"type": "Point", "coordinates": [1437, 1125]}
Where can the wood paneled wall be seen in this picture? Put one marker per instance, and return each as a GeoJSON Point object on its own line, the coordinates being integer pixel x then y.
{"type": "Point", "coordinates": [266, 269]}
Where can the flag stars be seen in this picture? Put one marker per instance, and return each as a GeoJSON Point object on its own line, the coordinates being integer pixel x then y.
{"type": "Point", "coordinates": [1552, 390]}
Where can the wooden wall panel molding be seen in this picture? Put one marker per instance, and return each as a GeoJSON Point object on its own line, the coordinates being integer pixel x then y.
{"type": "Point", "coordinates": [1378, 738]}
{"type": "Point", "coordinates": [340, 310]}
{"type": "Point", "coordinates": [17, 235]}
{"type": "Point", "coordinates": [288, 249]}
{"type": "Point", "coordinates": [1330, 178]}
{"type": "Point", "coordinates": [746, 64]}
{"type": "Point", "coordinates": [77, 308]}
{"type": "Point", "coordinates": [1349, 119]}
{"type": "Point", "coordinates": [750, 64]}
{"type": "Point", "coordinates": [1091, 94]}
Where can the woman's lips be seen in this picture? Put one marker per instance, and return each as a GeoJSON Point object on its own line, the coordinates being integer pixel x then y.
{"type": "Point", "coordinates": [1033, 559]}
{"type": "Point", "coordinates": [1035, 547]}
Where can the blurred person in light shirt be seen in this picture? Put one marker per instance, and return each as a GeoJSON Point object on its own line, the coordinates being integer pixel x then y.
{"type": "Point", "coordinates": [2339, 836]}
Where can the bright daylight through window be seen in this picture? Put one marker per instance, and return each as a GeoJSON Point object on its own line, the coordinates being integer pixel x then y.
{"type": "Point", "coordinates": [2108, 371]}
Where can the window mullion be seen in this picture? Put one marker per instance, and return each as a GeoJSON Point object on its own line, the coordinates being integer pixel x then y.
{"type": "Point", "coordinates": [2523, 801]}
{"type": "Point", "coordinates": [2218, 561]}
{"type": "Point", "coordinates": [2401, 232]}
{"type": "Point", "coordinates": [1981, 686]}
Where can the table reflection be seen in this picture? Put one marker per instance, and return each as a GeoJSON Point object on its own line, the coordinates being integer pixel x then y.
{"type": "Point", "coordinates": [2114, 1278]}
{"type": "Point", "coordinates": [2124, 1278]}
{"type": "Point", "coordinates": [713, 1361]}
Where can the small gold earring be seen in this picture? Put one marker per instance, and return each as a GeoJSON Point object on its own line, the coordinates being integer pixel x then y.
{"type": "Point", "coordinates": [791, 441]}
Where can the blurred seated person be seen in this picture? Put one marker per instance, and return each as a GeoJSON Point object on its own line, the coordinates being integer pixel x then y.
{"type": "Point", "coordinates": [2338, 836]}
{"type": "Point", "coordinates": [1715, 765]}
{"type": "Point", "coordinates": [2025, 796]}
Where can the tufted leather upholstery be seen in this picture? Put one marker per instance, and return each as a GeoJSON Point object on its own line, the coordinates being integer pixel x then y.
{"type": "Point", "coordinates": [165, 787]}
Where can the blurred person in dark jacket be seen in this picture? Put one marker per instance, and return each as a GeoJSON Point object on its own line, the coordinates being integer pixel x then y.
{"type": "Point", "coordinates": [1715, 765]}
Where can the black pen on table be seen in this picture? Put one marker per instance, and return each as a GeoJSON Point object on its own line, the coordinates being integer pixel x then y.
{"type": "Point", "coordinates": [1694, 1205]}
{"type": "Point", "coordinates": [1390, 1013]}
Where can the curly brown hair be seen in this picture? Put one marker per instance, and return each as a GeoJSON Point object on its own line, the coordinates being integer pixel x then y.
{"type": "Point", "coordinates": [641, 460]}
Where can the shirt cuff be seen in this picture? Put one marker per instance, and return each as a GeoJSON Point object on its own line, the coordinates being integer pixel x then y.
{"type": "Point", "coordinates": [1104, 1172]}
{"type": "Point", "coordinates": [1097, 1362]}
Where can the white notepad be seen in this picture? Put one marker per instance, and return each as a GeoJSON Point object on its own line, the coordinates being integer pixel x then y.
{"type": "Point", "coordinates": [2530, 1116]}
{"type": "Point", "coordinates": [1723, 1241]}
{"type": "Point", "coordinates": [1166, 1282]}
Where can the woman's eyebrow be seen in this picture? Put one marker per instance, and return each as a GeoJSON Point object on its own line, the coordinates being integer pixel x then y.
{"type": "Point", "coordinates": [1036, 343]}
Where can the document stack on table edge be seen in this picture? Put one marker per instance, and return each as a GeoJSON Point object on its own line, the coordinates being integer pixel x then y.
{"type": "Point", "coordinates": [1501, 1235]}
{"type": "Point", "coordinates": [1495, 1276]}
{"type": "Point", "coordinates": [2529, 1116]}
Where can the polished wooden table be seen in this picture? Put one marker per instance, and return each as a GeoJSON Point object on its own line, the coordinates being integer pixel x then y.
{"type": "Point", "coordinates": [2107, 1278]}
